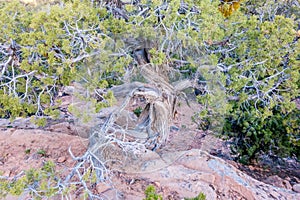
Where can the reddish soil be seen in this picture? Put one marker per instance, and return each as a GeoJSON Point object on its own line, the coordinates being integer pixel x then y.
{"type": "Point", "coordinates": [22, 149]}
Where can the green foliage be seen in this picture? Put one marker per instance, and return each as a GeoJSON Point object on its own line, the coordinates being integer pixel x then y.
{"type": "Point", "coordinates": [39, 121]}
{"type": "Point", "coordinates": [41, 152]}
{"type": "Point", "coordinates": [253, 81]}
{"type": "Point", "coordinates": [245, 52]}
{"type": "Point", "coordinates": [280, 7]}
{"type": "Point", "coordinates": [27, 151]}
{"type": "Point", "coordinates": [42, 52]}
{"type": "Point", "coordinates": [151, 194]}
{"type": "Point", "coordinates": [138, 111]}
{"type": "Point", "coordinates": [201, 196]}
{"type": "Point", "coordinates": [47, 183]}
{"type": "Point", "coordinates": [42, 183]}
{"type": "Point", "coordinates": [11, 106]}
{"type": "Point", "coordinates": [276, 134]}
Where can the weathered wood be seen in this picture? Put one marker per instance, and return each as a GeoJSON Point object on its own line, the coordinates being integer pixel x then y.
{"type": "Point", "coordinates": [152, 128]}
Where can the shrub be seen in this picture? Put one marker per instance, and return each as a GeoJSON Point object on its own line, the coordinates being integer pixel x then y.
{"type": "Point", "coordinates": [201, 196]}
{"type": "Point", "coordinates": [247, 61]}
{"type": "Point", "coordinates": [38, 183]}
{"type": "Point", "coordinates": [274, 135]}
{"type": "Point", "coordinates": [257, 67]}
{"type": "Point", "coordinates": [151, 194]}
{"type": "Point", "coordinates": [44, 48]}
